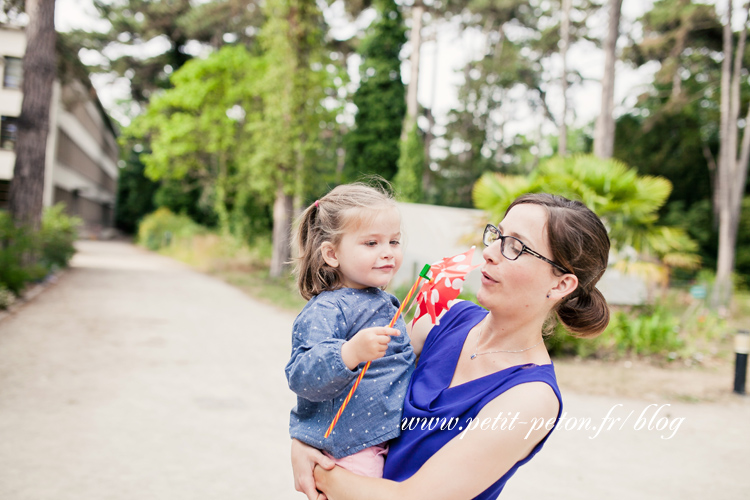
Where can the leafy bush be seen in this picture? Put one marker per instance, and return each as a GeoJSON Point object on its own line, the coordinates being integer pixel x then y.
{"type": "Point", "coordinates": [18, 248]}
{"type": "Point", "coordinates": [658, 330]}
{"type": "Point", "coordinates": [6, 297]}
{"type": "Point", "coordinates": [27, 256]}
{"type": "Point", "coordinates": [158, 229]}
{"type": "Point", "coordinates": [59, 231]}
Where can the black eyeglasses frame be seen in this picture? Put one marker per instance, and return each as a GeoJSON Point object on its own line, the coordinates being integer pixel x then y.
{"type": "Point", "coordinates": [495, 232]}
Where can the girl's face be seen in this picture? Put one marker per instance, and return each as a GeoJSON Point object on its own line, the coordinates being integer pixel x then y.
{"type": "Point", "coordinates": [522, 284]}
{"type": "Point", "coordinates": [369, 254]}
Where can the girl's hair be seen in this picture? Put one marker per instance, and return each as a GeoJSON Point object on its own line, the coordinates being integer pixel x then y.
{"type": "Point", "coordinates": [344, 207]}
{"type": "Point", "coordinates": [580, 243]}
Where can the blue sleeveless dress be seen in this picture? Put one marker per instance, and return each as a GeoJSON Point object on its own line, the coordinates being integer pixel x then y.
{"type": "Point", "coordinates": [450, 408]}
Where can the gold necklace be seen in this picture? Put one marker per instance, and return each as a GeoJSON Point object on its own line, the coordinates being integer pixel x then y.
{"type": "Point", "coordinates": [476, 347]}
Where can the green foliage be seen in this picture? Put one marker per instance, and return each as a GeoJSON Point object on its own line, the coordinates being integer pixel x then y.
{"type": "Point", "coordinates": [196, 131]}
{"type": "Point", "coordinates": [57, 235]}
{"type": "Point", "coordinates": [500, 87]}
{"type": "Point", "coordinates": [27, 256]}
{"type": "Point", "coordinates": [372, 146]}
{"type": "Point", "coordinates": [7, 297]}
{"type": "Point", "coordinates": [135, 192]}
{"type": "Point", "coordinates": [15, 245]}
{"type": "Point", "coordinates": [676, 327]}
{"type": "Point", "coordinates": [408, 181]}
{"type": "Point", "coordinates": [135, 23]}
{"type": "Point", "coordinates": [626, 201]}
{"type": "Point", "coordinates": [669, 145]}
{"type": "Point", "coordinates": [160, 228]}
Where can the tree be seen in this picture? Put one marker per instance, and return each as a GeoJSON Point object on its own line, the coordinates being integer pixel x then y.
{"type": "Point", "coordinates": [733, 157]}
{"type": "Point", "coordinates": [673, 129]}
{"type": "Point", "coordinates": [408, 180]}
{"type": "Point", "coordinates": [564, 43]}
{"type": "Point", "coordinates": [135, 23]}
{"type": "Point", "coordinates": [286, 140]}
{"type": "Point", "coordinates": [27, 186]}
{"type": "Point", "coordinates": [415, 38]}
{"type": "Point", "coordinates": [372, 146]}
{"type": "Point", "coordinates": [186, 26]}
{"type": "Point", "coordinates": [604, 133]}
{"type": "Point", "coordinates": [196, 129]}
{"type": "Point", "coordinates": [505, 85]}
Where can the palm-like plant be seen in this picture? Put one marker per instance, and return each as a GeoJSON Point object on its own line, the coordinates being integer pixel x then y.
{"type": "Point", "coordinates": [627, 203]}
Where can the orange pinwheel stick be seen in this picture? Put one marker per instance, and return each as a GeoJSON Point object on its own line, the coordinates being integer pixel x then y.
{"type": "Point", "coordinates": [422, 274]}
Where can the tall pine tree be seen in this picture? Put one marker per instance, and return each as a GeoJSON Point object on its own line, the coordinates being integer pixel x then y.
{"type": "Point", "coordinates": [372, 146]}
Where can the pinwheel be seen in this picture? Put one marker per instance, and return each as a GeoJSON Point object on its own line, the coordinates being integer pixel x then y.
{"type": "Point", "coordinates": [448, 278]}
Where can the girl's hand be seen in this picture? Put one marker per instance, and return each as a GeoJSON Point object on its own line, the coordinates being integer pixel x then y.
{"type": "Point", "coordinates": [366, 345]}
{"type": "Point", "coordinates": [304, 460]}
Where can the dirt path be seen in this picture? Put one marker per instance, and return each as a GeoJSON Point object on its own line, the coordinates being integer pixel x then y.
{"type": "Point", "coordinates": [135, 377]}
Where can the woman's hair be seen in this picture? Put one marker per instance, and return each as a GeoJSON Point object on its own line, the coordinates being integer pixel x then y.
{"type": "Point", "coordinates": [580, 243]}
{"type": "Point", "coordinates": [344, 208]}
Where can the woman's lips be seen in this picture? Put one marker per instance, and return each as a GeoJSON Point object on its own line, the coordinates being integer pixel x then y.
{"type": "Point", "coordinates": [487, 278]}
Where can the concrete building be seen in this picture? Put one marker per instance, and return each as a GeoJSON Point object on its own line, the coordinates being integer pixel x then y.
{"type": "Point", "coordinates": [82, 152]}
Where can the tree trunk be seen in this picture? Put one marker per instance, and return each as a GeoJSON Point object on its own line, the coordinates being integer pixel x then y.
{"type": "Point", "coordinates": [429, 133]}
{"type": "Point", "coordinates": [732, 170]}
{"type": "Point", "coordinates": [562, 149]}
{"type": "Point", "coordinates": [604, 133]}
{"type": "Point", "coordinates": [412, 105]}
{"type": "Point", "coordinates": [282, 225]}
{"type": "Point", "coordinates": [27, 186]}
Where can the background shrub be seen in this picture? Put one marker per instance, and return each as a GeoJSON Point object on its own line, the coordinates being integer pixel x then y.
{"type": "Point", "coordinates": [27, 256]}
{"type": "Point", "coordinates": [160, 228]}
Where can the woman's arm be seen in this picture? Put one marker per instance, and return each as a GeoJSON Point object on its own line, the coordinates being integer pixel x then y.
{"type": "Point", "coordinates": [472, 461]}
{"type": "Point", "coordinates": [304, 460]}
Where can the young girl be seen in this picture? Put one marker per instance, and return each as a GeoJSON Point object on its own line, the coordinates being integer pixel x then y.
{"type": "Point", "coordinates": [349, 249]}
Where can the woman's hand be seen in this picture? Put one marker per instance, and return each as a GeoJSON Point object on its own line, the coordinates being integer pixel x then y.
{"type": "Point", "coordinates": [304, 460]}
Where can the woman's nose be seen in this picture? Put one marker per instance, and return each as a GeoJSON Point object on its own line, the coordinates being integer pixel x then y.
{"type": "Point", "coordinates": [492, 252]}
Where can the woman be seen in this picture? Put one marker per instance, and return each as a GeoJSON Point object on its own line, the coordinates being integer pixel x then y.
{"type": "Point", "coordinates": [487, 367]}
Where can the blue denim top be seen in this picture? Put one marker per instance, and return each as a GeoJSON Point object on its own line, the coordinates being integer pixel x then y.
{"type": "Point", "coordinates": [317, 373]}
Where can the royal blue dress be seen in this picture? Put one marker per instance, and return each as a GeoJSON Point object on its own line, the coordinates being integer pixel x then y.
{"type": "Point", "coordinates": [434, 413]}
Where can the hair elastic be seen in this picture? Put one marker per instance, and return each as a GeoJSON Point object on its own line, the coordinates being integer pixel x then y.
{"type": "Point", "coordinates": [316, 203]}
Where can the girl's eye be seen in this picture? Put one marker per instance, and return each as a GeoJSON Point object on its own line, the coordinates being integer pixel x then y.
{"type": "Point", "coordinates": [395, 243]}
{"type": "Point", "coordinates": [371, 243]}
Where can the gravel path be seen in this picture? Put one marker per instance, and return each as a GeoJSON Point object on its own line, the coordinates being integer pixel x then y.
{"type": "Point", "coordinates": [135, 377]}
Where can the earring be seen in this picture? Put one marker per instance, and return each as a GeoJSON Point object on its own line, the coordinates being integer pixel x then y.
{"type": "Point", "coordinates": [548, 294]}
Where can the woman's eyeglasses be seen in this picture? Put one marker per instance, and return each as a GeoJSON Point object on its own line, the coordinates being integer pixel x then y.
{"type": "Point", "coordinates": [512, 247]}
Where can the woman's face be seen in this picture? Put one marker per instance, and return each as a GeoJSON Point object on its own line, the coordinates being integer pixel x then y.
{"type": "Point", "coordinates": [525, 282]}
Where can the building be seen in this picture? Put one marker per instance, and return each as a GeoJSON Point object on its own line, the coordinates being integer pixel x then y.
{"type": "Point", "coordinates": [82, 152]}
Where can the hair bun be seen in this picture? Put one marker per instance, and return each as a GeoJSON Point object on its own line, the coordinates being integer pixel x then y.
{"type": "Point", "coordinates": [586, 315]}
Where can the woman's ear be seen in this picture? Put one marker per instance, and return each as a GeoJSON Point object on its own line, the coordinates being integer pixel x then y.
{"type": "Point", "coordinates": [329, 254]}
{"type": "Point", "coordinates": [566, 285]}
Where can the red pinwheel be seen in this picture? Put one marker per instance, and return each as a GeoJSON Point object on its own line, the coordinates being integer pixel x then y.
{"type": "Point", "coordinates": [448, 277]}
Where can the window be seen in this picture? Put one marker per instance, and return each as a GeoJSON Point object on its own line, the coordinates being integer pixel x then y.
{"type": "Point", "coordinates": [8, 133]}
{"type": "Point", "coordinates": [13, 77]}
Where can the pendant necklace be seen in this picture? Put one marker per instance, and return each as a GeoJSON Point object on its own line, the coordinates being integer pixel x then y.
{"type": "Point", "coordinates": [476, 347]}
